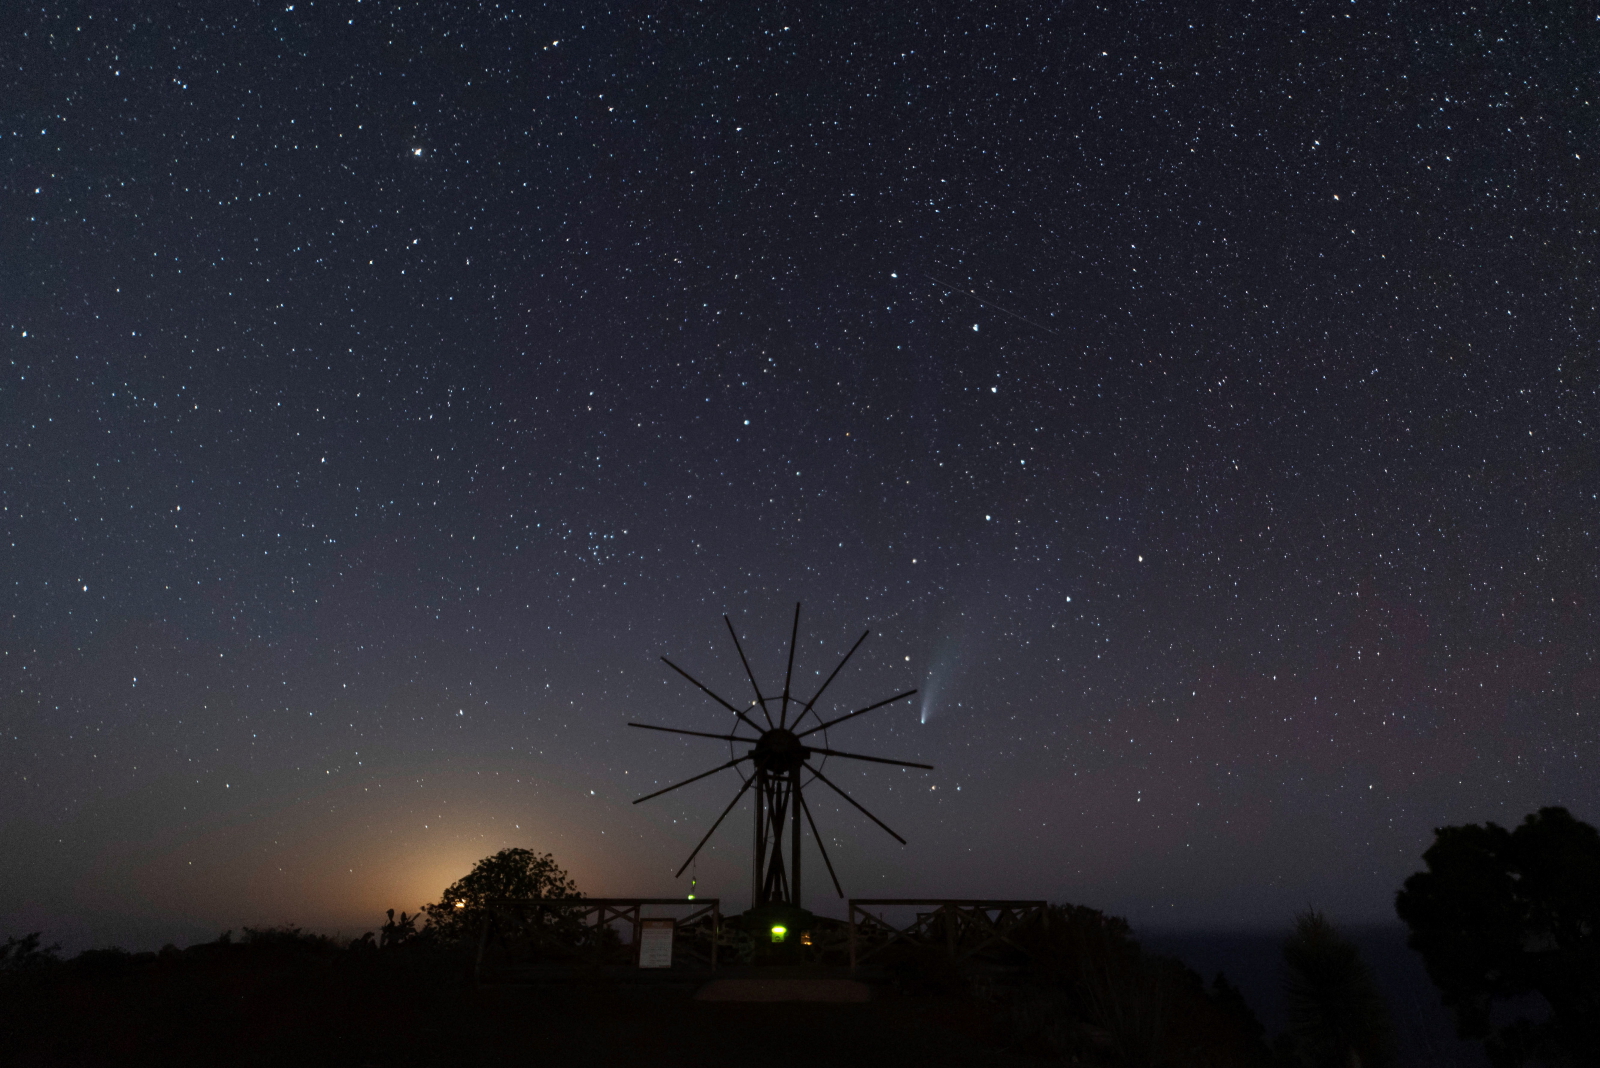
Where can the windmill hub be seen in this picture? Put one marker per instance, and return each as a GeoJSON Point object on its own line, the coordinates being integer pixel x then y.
{"type": "Point", "coordinates": [778, 755]}
{"type": "Point", "coordinates": [778, 752]}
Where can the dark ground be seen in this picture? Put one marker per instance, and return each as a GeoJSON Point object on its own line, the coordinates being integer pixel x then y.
{"type": "Point", "coordinates": [286, 998]}
{"type": "Point", "coordinates": [295, 1016]}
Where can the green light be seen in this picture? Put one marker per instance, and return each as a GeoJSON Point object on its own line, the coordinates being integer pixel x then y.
{"type": "Point", "coordinates": [691, 897]}
{"type": "Point", "coordinates": [778, 932]}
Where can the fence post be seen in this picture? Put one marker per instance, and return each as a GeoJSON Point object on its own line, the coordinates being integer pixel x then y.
{"type": "Point", "coordinates": [852, 937]}
{"type": "Point", "coordinates": [477, 963]}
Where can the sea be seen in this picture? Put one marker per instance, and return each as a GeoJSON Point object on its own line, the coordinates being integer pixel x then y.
{"type": "Point", "coordinates": [1424, 1029]}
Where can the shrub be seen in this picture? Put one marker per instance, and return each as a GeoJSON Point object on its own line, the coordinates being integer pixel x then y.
{"type": "Point", "coordinates": [1337, 1018]}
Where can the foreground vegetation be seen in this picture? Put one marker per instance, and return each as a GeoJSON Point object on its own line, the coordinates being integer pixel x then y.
{"type": "Point", "coordinates": [284, 996]}
{"type": "Point", "coordinates": [1498, 915]}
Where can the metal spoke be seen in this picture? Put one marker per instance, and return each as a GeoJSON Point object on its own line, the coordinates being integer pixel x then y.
{"type": "Point", "coordinates": [710, 693]}
{"type": "Point", "coordinates": [875, 760]}
{"type": "Point", "coordinates": [857, 712]}
{"type": "Point", "coordinates": [751, 675]}
{"type": "Point", "coordinates": [697, 734]}
{"type": "Point", "coordinates": [783, 714]}
{"type": "Point", "coordinates": [747, 784]}
{"type": "Point", "coordinates": [697, 778]}
{"type": "Point", "coordinates": [814, 833]}
{"type": "Point", "coordinates": [836, 671]}
{"type": "Point", "coordinates": [853, 801]}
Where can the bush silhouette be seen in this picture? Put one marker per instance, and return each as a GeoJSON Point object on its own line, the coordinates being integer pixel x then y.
{"type": "Point", "coordinates": [396, 933]}
{"type": "Point", "coordinates": [1090, 992]}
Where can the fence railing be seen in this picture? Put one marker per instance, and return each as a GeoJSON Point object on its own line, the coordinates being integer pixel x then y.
{"type": "Point", "coordinates": [962, 927]}
{"type": "Point", "coordinates": [541, 921]}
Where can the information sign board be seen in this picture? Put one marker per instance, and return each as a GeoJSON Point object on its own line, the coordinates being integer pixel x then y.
{"type": "Point", "coordinates": [655, 943]}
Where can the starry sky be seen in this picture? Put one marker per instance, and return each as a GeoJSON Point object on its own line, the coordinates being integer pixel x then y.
{"type": "Point", "coordinates": [1196, 401]}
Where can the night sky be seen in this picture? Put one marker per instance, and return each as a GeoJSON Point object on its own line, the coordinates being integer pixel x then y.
{"type": "Point", "coordinates": [1197, 402]}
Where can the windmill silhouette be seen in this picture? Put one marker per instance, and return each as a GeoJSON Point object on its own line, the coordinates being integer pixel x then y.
{"type": "Point", "coordinates": [778, 759]}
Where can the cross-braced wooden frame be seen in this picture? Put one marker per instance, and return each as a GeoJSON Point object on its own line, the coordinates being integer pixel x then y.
{"type": "Point", "coordinates": [964, 927]}
{"type": "Point", "coordinates": [532, 916]}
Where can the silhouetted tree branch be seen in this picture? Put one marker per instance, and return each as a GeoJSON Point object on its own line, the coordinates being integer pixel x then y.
{"type": "Point", "coordinates": [1502, 914]}
{"type": "Point", "coordinates": [24, 954]}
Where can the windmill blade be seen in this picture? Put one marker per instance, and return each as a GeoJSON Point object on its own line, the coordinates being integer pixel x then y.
{"type": "Point", "coordinates": [857, 712]}
{"type": "Point", "coordinates": [710, 693]}
{"type": "Point", "coordinates": [697, 778]}
{"type": "Point", "coordinates": [747, 784]}
{"type": "Point", "coordinates": [806, 809]}
{"type": "Point", "coordinates": [875, 760]}
{"type": "Point", "coordinates": [794, 632]}
{"type": "Point", "coordinates": [836, 671]}
{"type": "Point", "coordinates": [697, 734]}
{"type": "Point", "coordinates": [854, 802]}
{"type": "Point", "coordinates": [751, 675]}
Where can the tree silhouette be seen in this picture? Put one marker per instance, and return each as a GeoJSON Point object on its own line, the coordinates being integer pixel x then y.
{"type": "Point", "coordinates": [24, 954]}
{"type": "Point", "coordinates": [517, 874]}
{"type": "Point", "coordinates": [1503, 914]}
{"type": "Point", "coordinates": [1337, 1018]}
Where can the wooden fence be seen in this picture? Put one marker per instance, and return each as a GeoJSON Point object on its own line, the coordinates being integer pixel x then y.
{"type": "Point", "coordinates": [963, 927]}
